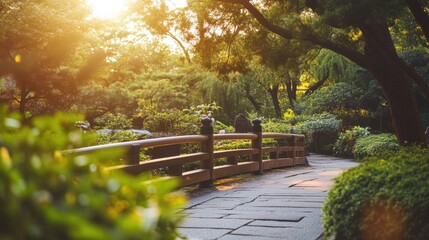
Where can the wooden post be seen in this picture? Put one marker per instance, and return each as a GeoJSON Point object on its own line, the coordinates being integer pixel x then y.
{"type": "Point", "coordinates": [132, 156]}
{"type": "Point", "coordinates": [294, 145]}
{"type": "Point", "coordinates": [257, 143]}
{"type": "Point", "coordinates": [207, 147]}
{"type": "Point", "coordinates": [232, 160]}
{"type": "Point", "coordinates": [168, 151]}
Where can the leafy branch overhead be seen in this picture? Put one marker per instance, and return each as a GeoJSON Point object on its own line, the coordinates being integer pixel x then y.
{"type": "Point", "coordinates": [360, 32]}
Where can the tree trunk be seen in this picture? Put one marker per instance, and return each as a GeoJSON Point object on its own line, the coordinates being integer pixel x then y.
{"type": "Point", "coordinates": [23, 96]}
{"type": "Point", "coordinates": [291, 87]}
{"type": "Point", "coordinates": [406, 120]}
{"type": "Point", "coordinates": [252, 100]}
{"type": "Point", "coordinates": [274, 93]}
{"type": "Point", "coordinates": [254, 103]}
{"type": "Point", "coordinates": [396, 84]}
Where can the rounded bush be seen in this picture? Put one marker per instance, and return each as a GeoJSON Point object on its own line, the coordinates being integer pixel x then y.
{"type": "Point", "coordinates": [343, 147]}
{"type": "Point", "coordinates": [370, 145]}
{"type": "Point", "coordinates": [321, 131]}
{"type": "Point", "coordinates": [385, 197]}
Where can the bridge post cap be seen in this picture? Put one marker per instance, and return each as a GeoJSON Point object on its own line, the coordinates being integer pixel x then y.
{"type": "Point", "coordinates": [206, 127]}
{"type": "Point", "coordinates": [257, 128]}
{"type": "Point", "coordinates": [256, 121]}
{"type": "Point", "coordinates": [206, 121]}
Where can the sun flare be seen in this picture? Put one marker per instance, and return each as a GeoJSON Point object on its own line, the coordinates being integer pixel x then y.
{"type": "Point", "coordinates": [104, 9]}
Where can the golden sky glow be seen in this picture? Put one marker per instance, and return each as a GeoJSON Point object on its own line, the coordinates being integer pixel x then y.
{"type": "Point", "coordinates": [105, 9]}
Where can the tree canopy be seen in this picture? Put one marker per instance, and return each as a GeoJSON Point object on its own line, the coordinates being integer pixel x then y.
{"type": "Point", "coordinates": [358, 30]}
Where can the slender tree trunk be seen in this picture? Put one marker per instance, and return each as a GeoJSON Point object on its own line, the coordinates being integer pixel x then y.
{"type": "Point", "coordinates": [185, 51]}
{"type": "Point", "coordinates": [23, 96]}
{"type": "Point", "coordinates": [254, 103]}
{"type": "Point", "coordinates": [274, 93]}
{"type": "Point", "coordinates": [252, 100]}
{"type": "Point", "coordinates": [291, 87]}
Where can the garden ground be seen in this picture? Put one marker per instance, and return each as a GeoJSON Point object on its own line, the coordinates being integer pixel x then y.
{"type": "Point", "coordinates": [281, 204]}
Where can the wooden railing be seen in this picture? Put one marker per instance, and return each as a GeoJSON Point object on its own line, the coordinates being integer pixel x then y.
{"type": "Point", "coordinates": [289, 151]}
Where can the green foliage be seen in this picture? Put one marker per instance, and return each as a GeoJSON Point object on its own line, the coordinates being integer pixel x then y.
{"type": "Point", "coordinates": [341, 99]}
{"type": "Point", "coordinates": [105, 137]}
{"type": "Point", "coordinates": [276, 125]}
{"type": "Point", "coordinates": [46, 194]}
{"type": "Point", "coordinates": [203, 110]}
{"type": "Point", "coordinates": [219, 126]}
{"type": "Point", "coordinates": [167, 121]}
{"type": "Point", "coordinates": [95, 99]}
{"type": "Point", "coordinates": [334, 67]}
{"type": "Point", "coordinates": [321, 132]}
{"type": "Point", "coordinates": [385, 197]}
{"type": "Point", "coordinates": [38, 43]}
{"type": "Point", "coordinates": [418, 60]}
{"type": "Point", "coordinates": [343, 147]}
{"type": "Point", "coordinates": [370, 145]}
{"type": "Point", "coordinates": [113, 121]}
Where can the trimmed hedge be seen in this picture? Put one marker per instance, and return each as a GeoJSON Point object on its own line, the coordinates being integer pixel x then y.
{"type": "Point", "coordinates": [343, 147]}
{"type": "Point", "coordinates": [372, 144]}
{"type": "Point", "coordinates": [321, 131]}
{"type": "Point", "coordinates": [385, 197]}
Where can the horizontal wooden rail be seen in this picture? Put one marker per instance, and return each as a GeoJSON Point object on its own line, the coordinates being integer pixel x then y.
{"type": "Point", "coordinates": [289, 151]}
{"type": "Point", "coordinates": [146, 166]}
{"type": "Point", "coordinates": [235, 136]}
{"type": "Point", "coordinates": [235, 152]}
{"type": "Point", "coordinates": [146, 143]}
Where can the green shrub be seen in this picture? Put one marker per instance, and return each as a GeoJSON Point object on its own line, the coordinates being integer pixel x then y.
{"type": "Point", "coordinates": [278, 126]}
{"type": "Point", "coordinates": [45, 194]}
{"type": "Point", "coordinates": [220, 126]}
{"type": "Point", "coordinates": [101, 137]}
{"type": "Point", "coordinates": [343, 147]}
{"type": "Point", "coordinates": [385, 197]}
{"type": "Point", "coordinates": [113, 121]}
{"type": "Point", "coordinates": [369, 145]}
{"type": "Point", "coordinates": [321, 132]}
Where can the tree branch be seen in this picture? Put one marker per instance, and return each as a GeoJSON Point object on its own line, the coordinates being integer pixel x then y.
{"type": "Point", "coordinates": [351, 54]}
{"type": "Point", "coordinates": [420, 16]}
{"type": "Point", "coordinates": [185, 51]}
{"type": "Point", "coordinates": [316, 86]}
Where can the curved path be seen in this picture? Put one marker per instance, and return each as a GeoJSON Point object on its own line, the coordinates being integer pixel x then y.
{"type": "Point", "coordinates": [281, 204]}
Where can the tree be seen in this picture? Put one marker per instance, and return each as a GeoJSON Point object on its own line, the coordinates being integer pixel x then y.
{"type": "Point", "coordinates": [358, 30]}
{"type": "Point", "coordinates": [38, 38]}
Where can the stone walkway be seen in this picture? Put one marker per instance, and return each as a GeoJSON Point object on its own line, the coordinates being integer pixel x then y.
{"type": "Point", "coordinates": [281, 204]}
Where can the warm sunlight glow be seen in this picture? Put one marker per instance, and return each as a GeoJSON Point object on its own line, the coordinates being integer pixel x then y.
{"type": "Point", "coordinates": [177, 3]}
{"type": "Point", "coordinates": [107, 8]}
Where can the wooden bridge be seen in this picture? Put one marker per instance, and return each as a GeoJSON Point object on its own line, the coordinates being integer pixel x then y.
{"type": "Point", "coordinates": [289, 151]}
{"type": "Point", "coordinates": [282, 204]}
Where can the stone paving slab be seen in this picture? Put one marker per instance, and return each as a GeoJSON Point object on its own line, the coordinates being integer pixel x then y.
{"type": "Point", "coordinates": [191, 222]}
{"type": "Point", "coordinates": [247, 210]}
{"type": "Point", "coordinates": [280, 204]}
{"type": "Point", "coordinates": [203, 233]}
{"type": "Point", "coordinates": [244, 237]}
{"type": "Point", "coordinates": [261, 216]}
{"type": "Point", "coordinates": [273, 232]}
